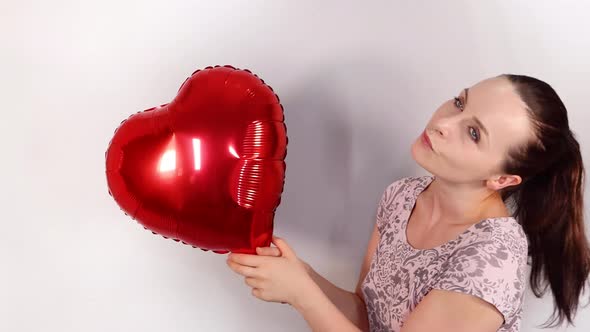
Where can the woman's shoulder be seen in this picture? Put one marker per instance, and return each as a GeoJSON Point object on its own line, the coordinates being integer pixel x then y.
{"type": "Point", "coordinates": [500, 228]}
{"type": "Point", "coordinates": [500, 237]}
{"type": "Point", "coordinates": [409, 182]}
{"type": "Point", "coordinates": [394, 199]}
{"type": "Point", "coordinates": [402, 189]}
{"type": "Point", "coordinates": [490, 263]}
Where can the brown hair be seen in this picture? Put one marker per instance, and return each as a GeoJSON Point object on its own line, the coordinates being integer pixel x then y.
{"type": "Point", "coordinates": [549, 201]}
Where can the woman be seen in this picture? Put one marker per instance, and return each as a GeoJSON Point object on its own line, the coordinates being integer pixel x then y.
{"type": "Point", "coordinates": [446, 253]}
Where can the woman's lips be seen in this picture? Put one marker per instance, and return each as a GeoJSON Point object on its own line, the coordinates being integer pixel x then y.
{"type": "Point", "coordinates": [426, 140]}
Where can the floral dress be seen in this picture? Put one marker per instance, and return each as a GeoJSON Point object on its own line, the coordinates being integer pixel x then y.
{"type": "Point", "coordinates": [488, 260]}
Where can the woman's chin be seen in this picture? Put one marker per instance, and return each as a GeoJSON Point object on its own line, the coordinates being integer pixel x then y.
{"type": "Point", "coordinates": [418, 151]}
{"type": "Point", "coordinates": [421, 156]}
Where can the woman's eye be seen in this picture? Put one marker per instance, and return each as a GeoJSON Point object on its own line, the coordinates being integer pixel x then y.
{"type": "Point", "coordinates": [474, 134]}
{"type": "Point", "coordinates": [458, 103]}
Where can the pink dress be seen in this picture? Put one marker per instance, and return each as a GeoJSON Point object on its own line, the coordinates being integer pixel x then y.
{"type": "Point", "coordinates": [488, 260]}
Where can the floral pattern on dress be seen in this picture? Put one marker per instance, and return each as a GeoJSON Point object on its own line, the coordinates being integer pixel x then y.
{"type": "Point", "coordinates": [488, 260]}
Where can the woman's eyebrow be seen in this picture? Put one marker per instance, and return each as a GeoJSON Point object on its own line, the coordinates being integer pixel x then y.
{"type": "Point", "coordinates": [483, 128]}
{"type": "Point", "coordinates": [476, 119]}
{"type": "Point", "coordinates": [466, 95]}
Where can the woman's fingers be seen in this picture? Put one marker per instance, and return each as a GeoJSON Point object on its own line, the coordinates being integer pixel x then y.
{"type": "Point", "coordinates": [284, 248]}
{"type": "Point", "coordinates": [246, 271]}
{"type": "Point", "coordinates": [253, 282]}
{"type": "Point", "coordinates": [247, 259]}
{"type": "Point", "coordinates": [268, 251]}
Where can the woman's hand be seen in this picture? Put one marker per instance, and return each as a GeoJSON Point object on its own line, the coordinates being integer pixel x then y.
{"type": "Point", "coordinates": [275, 274]}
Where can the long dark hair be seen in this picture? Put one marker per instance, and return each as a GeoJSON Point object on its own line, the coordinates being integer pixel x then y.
{"type": "Point", "coordinates": [549, 201]}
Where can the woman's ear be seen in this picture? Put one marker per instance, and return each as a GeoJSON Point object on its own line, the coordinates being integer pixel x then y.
{"type": "Point", "coordinates": [502, 181]}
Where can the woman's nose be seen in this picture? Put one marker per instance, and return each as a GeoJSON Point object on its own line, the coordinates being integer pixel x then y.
{"type": "Point", "coordinates": [441, 129]}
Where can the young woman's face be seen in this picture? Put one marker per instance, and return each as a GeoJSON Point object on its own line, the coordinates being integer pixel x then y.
{"type": "Point", "coordinates": [471, 135]}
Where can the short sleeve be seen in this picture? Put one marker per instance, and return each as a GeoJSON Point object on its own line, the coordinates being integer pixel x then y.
{"type": "Point", "coordinates": [386, 206]}
{"type": "Point", "coordinates": [492, 269]}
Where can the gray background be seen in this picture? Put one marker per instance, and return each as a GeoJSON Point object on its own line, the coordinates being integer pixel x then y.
{"type": "Point", "coordinates": [358, 82]}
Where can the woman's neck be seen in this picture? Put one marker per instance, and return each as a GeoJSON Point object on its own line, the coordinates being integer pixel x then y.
{"type": "Point", "coordinates": [459, 204]}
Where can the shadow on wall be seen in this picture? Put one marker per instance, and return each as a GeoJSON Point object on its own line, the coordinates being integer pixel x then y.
{"type": "Point", "coordinates": [347, 143]}
{"type": "Point", "coordinates": [348, 139]}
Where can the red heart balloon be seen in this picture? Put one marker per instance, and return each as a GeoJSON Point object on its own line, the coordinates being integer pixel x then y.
{"type": "Point", "coordinates": [207, 168]}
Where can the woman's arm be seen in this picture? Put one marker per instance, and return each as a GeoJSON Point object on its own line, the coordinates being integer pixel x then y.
{"type": "Point", "coordinates": [349, 303]}
{"type": "Point", "coordinates": [321, 314]}
{"type": "Point", "coordinates": [451, 311]}
{"type": "Point", "coordinates": [287, 279]}
{"type": "Point", "coordinates": [276, 274]}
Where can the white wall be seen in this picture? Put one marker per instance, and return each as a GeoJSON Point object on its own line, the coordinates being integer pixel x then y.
{"type": "Point", "coordinates": [358, 83]}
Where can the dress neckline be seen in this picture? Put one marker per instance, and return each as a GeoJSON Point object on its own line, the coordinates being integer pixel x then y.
{"type": "Point", "coordinates": [417, 193]}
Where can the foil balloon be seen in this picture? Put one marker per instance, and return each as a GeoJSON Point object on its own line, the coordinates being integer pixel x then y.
{"type": "Point", "coordinates": [207, 168]}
